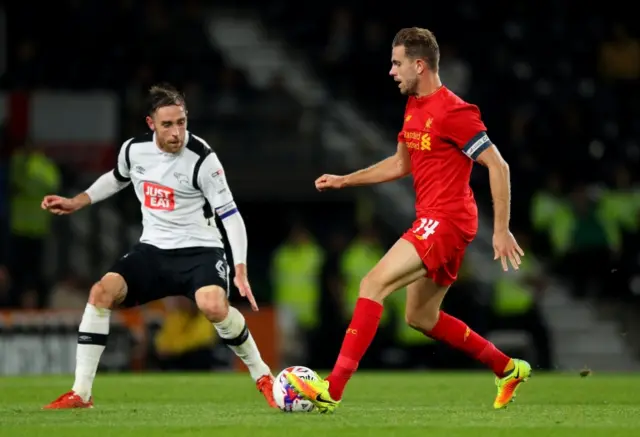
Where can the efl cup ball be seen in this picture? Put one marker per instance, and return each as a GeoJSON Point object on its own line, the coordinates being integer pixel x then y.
{"type": "Point", "coordinates": [286, 397]}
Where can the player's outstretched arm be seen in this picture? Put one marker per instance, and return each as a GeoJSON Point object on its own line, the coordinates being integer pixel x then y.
{"type": "Point", "coordinates": [390, 169]}
{"type": "Point", "coordinates": [105, 186]}
{"type": "Point", "coordinates": [504, 244]}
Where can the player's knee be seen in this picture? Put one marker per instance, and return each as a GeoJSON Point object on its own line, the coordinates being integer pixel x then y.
{"type": "Point", "coordinates": [374, 288]}
{"type": "Point", "coordinates": [108, 291]}
{"type": "Point", "coordinates": [213, 303]}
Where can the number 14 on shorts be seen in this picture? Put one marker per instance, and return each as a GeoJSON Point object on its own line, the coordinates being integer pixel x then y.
{"type": "Point", "coordinates": [425, 228]}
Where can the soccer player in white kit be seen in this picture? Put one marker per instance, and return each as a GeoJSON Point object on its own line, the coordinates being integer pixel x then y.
{"type": "Point", "coordinates": [180, 183]}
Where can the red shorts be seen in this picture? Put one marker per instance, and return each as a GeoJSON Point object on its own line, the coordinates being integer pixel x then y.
{"type": "Point", "coordinates": [441, 245]}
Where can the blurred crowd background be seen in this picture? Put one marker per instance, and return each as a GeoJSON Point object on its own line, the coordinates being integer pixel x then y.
{"type": "Point", "coordinates": [284, 93]}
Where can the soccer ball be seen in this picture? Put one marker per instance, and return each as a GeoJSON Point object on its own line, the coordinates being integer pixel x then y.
{"type": "Point", "coordinates": [287, 399]}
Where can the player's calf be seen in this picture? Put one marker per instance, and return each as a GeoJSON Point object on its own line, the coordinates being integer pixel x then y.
{"type": "Point", "coordinates": [424, 299]}
{"type": "Point", "coordinates": [92, 339]}
{"type": "Point", "coordinates": [234, 332]}
{"type": "Point", "coordinates": [231, 327]}
{"type": "Point", "coordinates": [94, 330]}
{"type": "Point", "coordinates": [421, 323]}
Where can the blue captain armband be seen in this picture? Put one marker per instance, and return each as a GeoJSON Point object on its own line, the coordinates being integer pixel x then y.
{"type": "Point", "coordinates": [476, 145]}
{"type": "Point", "coordinates": [227, 210]}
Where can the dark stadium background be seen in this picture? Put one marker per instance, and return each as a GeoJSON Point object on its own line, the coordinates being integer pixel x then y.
{"type": "Point", "coordinates": [284, 92]}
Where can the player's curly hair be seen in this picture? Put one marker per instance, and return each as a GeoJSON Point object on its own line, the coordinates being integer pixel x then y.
{"type": "Point", "coordinates": [164, 94]}
{"type": "Point", "coordinates": [419, 43]}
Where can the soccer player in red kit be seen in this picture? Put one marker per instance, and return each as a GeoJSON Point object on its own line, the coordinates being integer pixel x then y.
{"type": "Point", "coordinates": [441, 137]}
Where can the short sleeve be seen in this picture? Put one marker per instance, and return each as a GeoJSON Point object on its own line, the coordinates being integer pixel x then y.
{"type": "Point", "coordinates": [213, 182]}
{"type": "Point", "coordinates": [464, 128]}
{"type": "Point", "coordinates": [121, 170]}
{"type": "Point", "coordinates": [401, 137]}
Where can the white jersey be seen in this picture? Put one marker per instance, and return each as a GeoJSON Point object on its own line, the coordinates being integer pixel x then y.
{"type": "Point", "coordinates": [177, 191]}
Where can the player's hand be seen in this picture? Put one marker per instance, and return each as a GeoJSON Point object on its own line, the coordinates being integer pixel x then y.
{"type": "Point", "coordinates": [242, 283]}
{"type": "Point", "coordinates": [60, 205]}
{"type": "Point", "coordinates": [506, 247]}
{"type": "Point", "coordinates": [330, 182]}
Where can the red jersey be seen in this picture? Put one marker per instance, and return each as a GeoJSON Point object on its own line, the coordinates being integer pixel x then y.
{"type": "Point", "coordinates": [444, 135]}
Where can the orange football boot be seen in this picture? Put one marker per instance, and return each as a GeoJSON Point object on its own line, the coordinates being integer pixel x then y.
{"type": "Point", "coordinates": [67, 401]}
{"type": "Point", "coordinates": [265, 386]}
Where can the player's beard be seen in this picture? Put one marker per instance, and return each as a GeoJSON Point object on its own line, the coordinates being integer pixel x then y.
{"type": "Point", "coordinates": [411, 87]}
{"type": "Point", "coordinates": [172, 147]}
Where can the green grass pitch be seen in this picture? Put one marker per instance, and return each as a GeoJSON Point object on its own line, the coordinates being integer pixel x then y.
{"type": "Point", "coordinates": [421, 404]}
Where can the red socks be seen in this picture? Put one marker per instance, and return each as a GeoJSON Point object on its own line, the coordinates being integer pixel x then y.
{"type": "Point", "coordinates": [457, 334]}
{"type": "Point", "coordinates": [448, 329]}
{"type": "Point", "coordinates": [360, 334]}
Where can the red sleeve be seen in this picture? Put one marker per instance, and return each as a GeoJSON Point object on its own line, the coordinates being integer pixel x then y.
{"type": "Point", "coordinates": [464, 128]}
